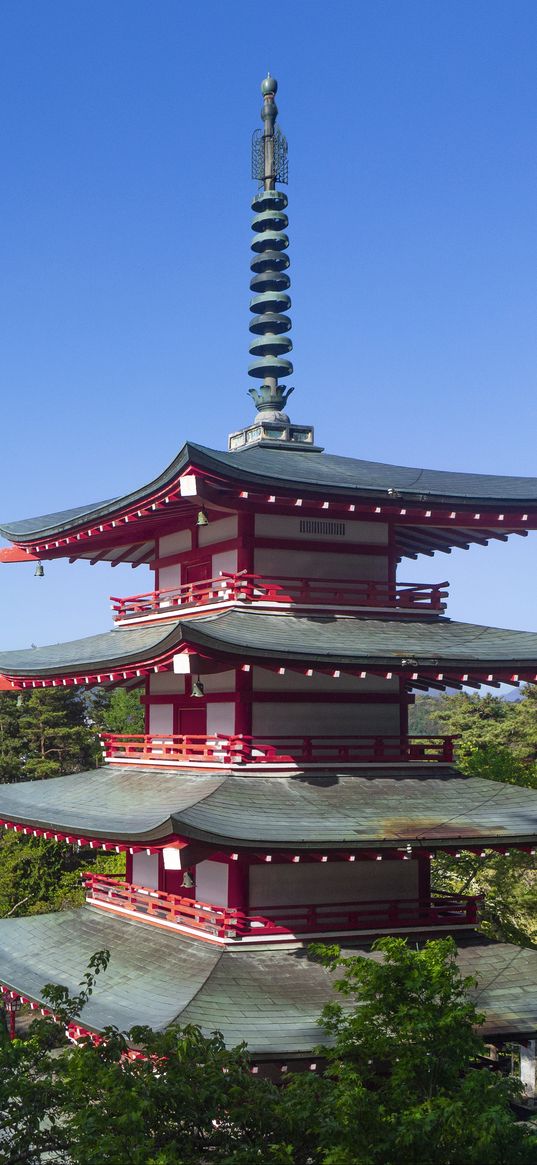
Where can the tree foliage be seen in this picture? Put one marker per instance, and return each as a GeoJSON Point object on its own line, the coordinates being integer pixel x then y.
{"type": "Point", "coordinates": [400, 1083]}
{"type": "Point", "coordinates": [498, 742]}
{"type": "Point", "coordinates": [48, 733]}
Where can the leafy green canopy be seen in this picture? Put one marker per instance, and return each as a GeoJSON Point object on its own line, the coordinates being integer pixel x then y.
{"type": "Point", "coordinates": [400, 1085]}
{"type": "Point", "coordinates": [47, 734]}
{"type": "Point", "coordinates": [498, 742]}
{"type": "Point", "coordinates": [53, 731]}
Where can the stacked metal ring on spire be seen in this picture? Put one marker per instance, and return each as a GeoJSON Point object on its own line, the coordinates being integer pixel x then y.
{"type": "Point", "coordinates": [270, 282]}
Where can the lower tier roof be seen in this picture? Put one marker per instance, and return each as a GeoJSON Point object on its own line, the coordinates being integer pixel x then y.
{"type": "Point", "coordinates": [428, 804]}
{"type": "Point", "coordinates": [270, 998]}
{"type": "Point", "coordinates": [238, 634]}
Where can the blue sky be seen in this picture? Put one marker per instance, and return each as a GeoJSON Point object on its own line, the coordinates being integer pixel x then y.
{"type": "Point", "coordinates": [124, 251]}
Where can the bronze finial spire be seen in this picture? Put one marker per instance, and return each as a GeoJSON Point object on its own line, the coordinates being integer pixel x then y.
{"type": "Point", "coordinates": [270, 323]}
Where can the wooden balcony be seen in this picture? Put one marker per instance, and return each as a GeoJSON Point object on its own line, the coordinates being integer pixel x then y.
{"type": "Point", "coordinates": [279, 924]}
{"type": "Point", "coordinates": [279, 752]}
{"type": "Point", "coordinates": [340, 594]}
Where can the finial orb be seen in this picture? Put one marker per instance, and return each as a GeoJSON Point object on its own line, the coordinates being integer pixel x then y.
{"type": "Point", "coordinates": [269, 85]}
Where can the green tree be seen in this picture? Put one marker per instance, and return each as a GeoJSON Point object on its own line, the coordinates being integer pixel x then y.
{"type": "Point", "coordinates": [401, 1083]}
{"type": "Point", "coordinates": [117, 710]}
{"type": "Point", "coordinates": [55, 734]}
{"type": "Point", "coordinates": [38, 875]}
{"type": "Point", "coordinates": [498, 742]}
{"type": "Point", "coordinates": [11, 745]}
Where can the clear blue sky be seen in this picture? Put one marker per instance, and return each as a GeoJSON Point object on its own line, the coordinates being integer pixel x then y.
{"type": "Point", "coordinates": [124, 252]}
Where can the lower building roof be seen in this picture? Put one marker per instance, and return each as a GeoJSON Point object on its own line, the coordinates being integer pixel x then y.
{"type": "Point", "coordinates": [269, 997]}
{"type": "Point", "coordinates": [428, 804]}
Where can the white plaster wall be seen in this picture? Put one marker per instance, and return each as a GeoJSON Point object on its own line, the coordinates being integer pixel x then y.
{"type": "Point", "coordinates": [225, 561]}
{"type": "Point", "coordinates": [325, 720]}
{"type": "Point", "coordinates": [161, 719]}
{"type": "Point", "coordinates": [305, 882]}
{"type": "Point", "coordinates": [212, 883]}
{"type": "Point", "coordinates": [319, 564]}
{"type": "Point", "coordinates": [218, 531]}
{"type": "Point", "coordinates": [145, 870]}
{"type": "Point", "coordinates": [220, 718]}
{"type": "Point", "coordinates": [164, 682]}
{"type": "Point", "coordinates": [268, 681]}
{"type": "Point", "coordinates": [220, 681]}
{"type": "Point", "coordinates": [272, 526]}
{"type": "Point", "coordinates": [175, 543]}
{"type": "Point", "coordinates": [169, 576]}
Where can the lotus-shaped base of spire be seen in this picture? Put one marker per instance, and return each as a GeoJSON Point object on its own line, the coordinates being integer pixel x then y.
{"type": "Point", "coordinates": [270, 400]}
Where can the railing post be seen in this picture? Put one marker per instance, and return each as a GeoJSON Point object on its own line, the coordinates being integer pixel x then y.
{"type": "Point", "coordinates": [311, 918]}
{"type": "Point", "coordinates": [378, 748]}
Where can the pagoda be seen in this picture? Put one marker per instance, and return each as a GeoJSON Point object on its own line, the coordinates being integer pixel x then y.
{"type": "Point", "coordinates": [276, 796]}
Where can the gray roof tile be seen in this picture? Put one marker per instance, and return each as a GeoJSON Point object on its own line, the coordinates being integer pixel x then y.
{"type": "Point", "coordinates": [385, 806]}
{"type": "Point", "coordinates": [271, 997]}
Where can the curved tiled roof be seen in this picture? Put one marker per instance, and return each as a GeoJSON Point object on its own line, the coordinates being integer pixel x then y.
{"type": "Point", "coordinates": [353, 639]}
{"type": "Point", "coordinates": [384, 806]}
{"type": "Point", "coordinates": [308, 471]}
{"type": "Point", "coordinates": [111, 648]}
{"type": "Point", "coordinates": [256, 635]}
{"type": "Point", "coordinates": [270, 998]}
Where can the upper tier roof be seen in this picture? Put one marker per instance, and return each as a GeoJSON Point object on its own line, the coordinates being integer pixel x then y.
{"type": "Point", "coordinates": [268, 997]}
{"type": "Point", "coordinates": [414, 646]}
{"type": "Point", "coordinates": [288, 469]}
{"type": "Point", "coordinates": [433, 805]}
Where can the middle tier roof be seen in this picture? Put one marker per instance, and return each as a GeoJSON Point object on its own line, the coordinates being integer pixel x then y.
{"type": "Point", "coordinates": [413, 647]}
{"type": "Point", "coordinates": [387, 807]}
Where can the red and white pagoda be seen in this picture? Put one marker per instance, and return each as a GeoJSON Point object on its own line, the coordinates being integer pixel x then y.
{"type": "Point", "coordinates": [276, 795]}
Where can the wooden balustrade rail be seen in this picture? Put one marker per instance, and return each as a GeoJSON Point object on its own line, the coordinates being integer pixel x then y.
{"type": "Point", "coordinates": [251, 588]}
{"type": "Point", "coordinates": [295, 750]}
{"type": "Point", "coordinates": [450, 910]}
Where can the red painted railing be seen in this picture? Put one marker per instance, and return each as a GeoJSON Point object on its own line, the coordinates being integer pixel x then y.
{"type": "Point", "coordinates": [294, 750]}
{"type": "Point", "coordinates": [450, 910]}
{"type": "Point", "coordinates": [251, 588]}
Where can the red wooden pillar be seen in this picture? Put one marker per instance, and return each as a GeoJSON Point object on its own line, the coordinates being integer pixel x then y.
{"type": "Point", "coordinates": [424, 878]}
{"type": "Point", "coordinates": [243, 702]}
{"type": "Point", "coordinates": [245, 544]}
{"type": "Point", "coordinates": [238, 883]}
{"type": "Point", "coordinates": [403, 709]}
{"type": "Point", "coordinates": [393, 554]}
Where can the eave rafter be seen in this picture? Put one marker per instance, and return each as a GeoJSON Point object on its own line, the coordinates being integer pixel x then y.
{"type": "Point", "coordinates": [423, 526]}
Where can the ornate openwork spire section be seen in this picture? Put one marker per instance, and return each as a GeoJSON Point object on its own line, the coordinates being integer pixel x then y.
{"type": "Point", "coordinates": [270, 322]}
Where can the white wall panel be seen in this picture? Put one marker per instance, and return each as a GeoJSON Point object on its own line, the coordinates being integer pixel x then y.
{"type": "Point", "coordinates": [225, 561]}
{"type": "Point", "coordinates": [169, 576]}
{"type": "Point", "coordinates": [278, 525]}
{"type": "Point", "coordinates": [212, 883]}
{"type": "Point", "coordinates": [305, 882]}
{"type": "Point", "coordinates": [145, 870]}
{"type": "Point", "coordinates": [219, 681]}
{"type": "Point", "coordinates": [220, 718]}
{"type": "Point", "coordinates": [319, 564]}
{"type": "Point", "coordinates": [164, 682]}
{"type": "Point", "coordinates": [218, 531]}
{"type": "Point", "coordinates": [175, 543]}
{"type": "Point", "coordinates": [161, 719]}
{"type": "Point", "coordinates": [325, 720]}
